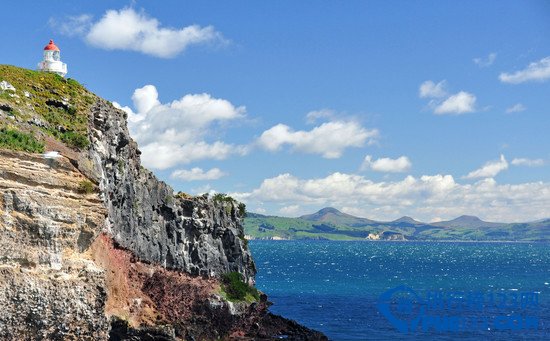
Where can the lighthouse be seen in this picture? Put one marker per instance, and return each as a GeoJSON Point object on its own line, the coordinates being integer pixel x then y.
{"type": "Point", "coordinates": [52, 60]}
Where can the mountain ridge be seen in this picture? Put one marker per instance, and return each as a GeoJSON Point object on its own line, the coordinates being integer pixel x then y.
{"type": "Point", "coordinates": [330, 223]}
{"type": "Point", "coordinates": [321, 215]}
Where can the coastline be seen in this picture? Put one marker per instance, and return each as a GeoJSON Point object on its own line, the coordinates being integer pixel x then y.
{"type": "Point", "coordinates": [402, 241]}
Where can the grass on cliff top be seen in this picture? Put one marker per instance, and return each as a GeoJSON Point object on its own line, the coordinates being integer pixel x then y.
{"type": "Point", "coordinates": [63, 104]}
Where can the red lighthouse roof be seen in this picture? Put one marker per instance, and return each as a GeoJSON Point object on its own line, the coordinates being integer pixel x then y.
{"type": "Point", "coordinates": [51, 47]}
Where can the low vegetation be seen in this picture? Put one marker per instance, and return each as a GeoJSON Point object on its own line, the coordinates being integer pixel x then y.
{"type": "Point", "coordinates": [235, 289]}
{"type": "Point", "coordinates": [61, 104]}
{"type": "Point", "coordinates": [16, 140]}
{"type": "Point", "coordinates": [86, 187]}
{"type": "Point", "coordinates": [224, 198]}
{"type": "Point", "coordinates": [242, 209]}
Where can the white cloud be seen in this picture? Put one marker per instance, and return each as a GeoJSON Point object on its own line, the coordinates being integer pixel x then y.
{"type": "Point", "coordinates": [399, 165]}
{"type": "Point", "coordinates": [330, 139]}
{"type": "Point", "coordinates": [460, 103]}
{"type": "Point", "coordinates": [443, 103]}
{"type": "Point", "coordinates": [528, 162]}
{"type": "Point", "coordinates": [175, 133]}
{"type": "Point", "coordinates": [314, 116]}
{"type": "Point", "coordinates": [424, 198]}
{"type": "Point", "coordinates": [290, 210]}
{"type": "Point", "coordinates": [145, 98]}
{"type": "Point", "coordinates": [127, 29]}
{"type": "Point", "coordinates": [72, 25]}
{"type": "Point", "coordinates": [516, 108]}
{"type": "Point", "coordinates": [488, 61]}
{"type": "Point", "coordinates": [489, 170]}
{"type": "Point", "coordinates": [429, 89]}
{"type": "Point", "coordinates": [536, 71]}
{"type": "Point", "coordinates": [196, 173]}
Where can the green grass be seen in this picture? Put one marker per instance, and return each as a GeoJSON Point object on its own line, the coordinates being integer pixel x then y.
{"type": "Point", "coordinates": [16, 140]}
{"type": "Point", "coordinates": [66, 123]}
{"type": "Point", "coordinates": [235, 289]}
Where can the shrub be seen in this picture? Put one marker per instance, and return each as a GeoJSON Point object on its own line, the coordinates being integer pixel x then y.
{"type": "Point", "coordinates": [222, 197]}
{"type": "Point", "coordinates": [242, 209]}
{"type": "Point", "coordinates": [75, 139]}
{"type": "Point", "coordinates": [236, 289]}
{"type": "Point", "coordinates": [86, 186]}
{"type": "Point", "coordinates": [71, 110]}
{"type": "Point", "coordinates": [16, 140]}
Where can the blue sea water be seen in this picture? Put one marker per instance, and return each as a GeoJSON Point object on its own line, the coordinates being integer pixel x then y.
{"type": "Point", "coordinates": [334, 287]}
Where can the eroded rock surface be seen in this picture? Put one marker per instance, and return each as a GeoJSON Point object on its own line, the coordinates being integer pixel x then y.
{"type": "Point", "coordinates": [49, 287]}
{"type": "Point", "coordinates": [195, 235]}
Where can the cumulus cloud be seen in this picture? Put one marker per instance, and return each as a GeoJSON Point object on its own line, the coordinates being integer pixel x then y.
{"type": "Point", "coordinates": [460, 103]}
{"type": "Point", "coordinates": [128, 29]}
{"type": "Point", "coordinates": [528, 162]}
{"type": "Point", "coordinates": [518, 107]}
{"type": "Point", "coordinates": [425, 197]}
{"type": "Point", "coordinates": [330, 139]}
{"type": "Point", "coordinates": [487, 61]}
{"type": "Point", "coordinates": [430, 89]}
{"type": "Point", "coordinates": [489, 170]}
{"type": "Point", "coordinates": [536, 71]}
{"type": "Point", "coordinates": [443, 103]}
{"type": "Point", "coordinates": [175, 133]}
{"type": "Point", "coordinates": [197, 173]}
{"type": "Point", "coordinates": [399, 165]}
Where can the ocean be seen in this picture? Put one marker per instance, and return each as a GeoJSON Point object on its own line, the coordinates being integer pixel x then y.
{"type": "Point", "coordinates": [494, 291]}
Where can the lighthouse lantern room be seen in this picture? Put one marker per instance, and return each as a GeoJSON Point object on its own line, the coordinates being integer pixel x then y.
{"type": "Point", "coordinates": [52, 60]}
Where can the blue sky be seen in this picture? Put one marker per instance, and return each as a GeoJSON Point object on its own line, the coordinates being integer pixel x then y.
{"type": "Point", "coordinates": [430, 109]}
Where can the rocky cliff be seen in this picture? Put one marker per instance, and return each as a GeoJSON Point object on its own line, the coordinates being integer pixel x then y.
{"type": "Point", "coordinates": [95, 247]}
{"type": "Point", "coordinates": [49, 286]}
{"type": "Point", "coordinates": [192, 234]}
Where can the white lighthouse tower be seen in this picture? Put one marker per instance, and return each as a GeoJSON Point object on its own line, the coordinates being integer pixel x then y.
{"type": "Point", "coordinates": [52, 60]}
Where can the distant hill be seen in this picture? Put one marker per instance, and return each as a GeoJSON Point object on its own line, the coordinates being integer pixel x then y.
{"type": "Point", "coordinates": [466, 221]}
{"type": "Point", "coordinates": [333, 216]}
{"type": "Point", "coordinates": [332, 224]}
{"type": "Point", "coordinates": [406, 220]}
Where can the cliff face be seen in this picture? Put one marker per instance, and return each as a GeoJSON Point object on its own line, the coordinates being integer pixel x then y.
{"type": "Point", "coordinates": [49, 287]}
{"type": "Point", "coordinates": [94, 247]}
{"type": "Point", "coordinates": [195, 235]}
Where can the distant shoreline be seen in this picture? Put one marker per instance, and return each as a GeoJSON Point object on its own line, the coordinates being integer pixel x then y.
{"type": "Point", "coordinates": [331, 224]}
{"type": "Point", "coordinates": [403, 241]}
